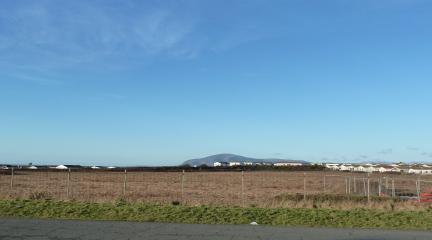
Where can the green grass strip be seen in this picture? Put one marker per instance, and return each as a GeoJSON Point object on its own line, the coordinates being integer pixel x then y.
{"type": "Point", "coordinates": [358, 218]}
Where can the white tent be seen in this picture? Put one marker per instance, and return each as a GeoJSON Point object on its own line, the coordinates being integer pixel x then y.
{"type": "Point", "coordinates": [63, 167]}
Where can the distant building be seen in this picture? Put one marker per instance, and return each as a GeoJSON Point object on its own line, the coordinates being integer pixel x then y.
{"type": "Point", "coordinates": [232, 164]}
{"type": "Point", "coordinates": [287, 164]}
{"type": "Point", "coordinates": [267, 163]}
{"type": "Point", "coordinates": [382, 168]}
{"type": "Point", "coordinates": [61, 167]}
{"type": "Point", "coordinates": [65, 167]}
{"type": "Point", "coordinates": [221, 164]}
{"type": "Point", "coordinates": [332, 166]}
{"type": "Point", "coordinates": [346, 167]}
{"type": "Point", "coordinates": [420, 170]}
{"type": "Point", "coordinates": [359, 168]}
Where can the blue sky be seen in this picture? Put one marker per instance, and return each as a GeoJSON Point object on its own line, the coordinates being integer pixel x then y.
{"type": "Point", "coordinates": [159, 82]}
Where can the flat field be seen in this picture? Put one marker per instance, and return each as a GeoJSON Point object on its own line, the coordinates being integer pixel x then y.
{"type": "Point", "coordinates": [325, 189]}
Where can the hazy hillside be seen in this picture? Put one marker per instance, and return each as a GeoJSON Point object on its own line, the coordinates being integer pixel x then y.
{"type": "Point", "coordinates": [232, 158]}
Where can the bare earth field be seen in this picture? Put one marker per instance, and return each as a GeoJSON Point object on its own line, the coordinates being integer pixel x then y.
{"type": "Point", "coordinates": [258, 188]}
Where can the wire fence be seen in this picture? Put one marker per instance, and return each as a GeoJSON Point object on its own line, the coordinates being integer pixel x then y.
{"type": "Point", "coordinates": [249, 188]}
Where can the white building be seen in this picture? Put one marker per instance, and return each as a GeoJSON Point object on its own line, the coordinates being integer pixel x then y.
{"type": "Point", "coordinates": [417, 170]}
{"type": "Point", "coordinates": [220, 164]}
{"type": "Point", "coordinates": [287, 164]}
{"type": "Point", "coordinates": [385, 169]}
{"type": "Point", "coordinates": [369, 167]}
{"type": "Point", "coordinates": [359, 168]}
{"type": "Point", "coordinates": [346, 167]}
{"type": "Point", "coordinates": [332, 166]}
{"type": "Point", "coordinates": [232, 164]}
{"type": "Point", "coordinates": [61, 167]}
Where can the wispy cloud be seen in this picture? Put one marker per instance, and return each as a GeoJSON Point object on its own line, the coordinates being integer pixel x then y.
{"type": "Point", "coordinates": [386, 151]}
{"type": "Point", "coordinates": [63, 37]}
{"type": "Point", "coordinates": [80, 33]}
{"type": "Point", "coordinates": [34, 76]}
{"type": "Point", "coordinates": [413, 148]}
{"type": "Point", "coordinates": [38, 80]}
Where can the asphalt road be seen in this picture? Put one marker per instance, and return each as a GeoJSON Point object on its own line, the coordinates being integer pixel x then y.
{"type": "Point", "coordinates": [17, 229]}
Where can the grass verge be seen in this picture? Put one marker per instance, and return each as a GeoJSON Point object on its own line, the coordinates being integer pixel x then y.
{"type": "Point", "coordinates": [357, 218]}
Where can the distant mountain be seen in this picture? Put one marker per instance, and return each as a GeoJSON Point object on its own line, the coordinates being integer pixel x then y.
{"type": "Point", "coordinates": [226, 157]}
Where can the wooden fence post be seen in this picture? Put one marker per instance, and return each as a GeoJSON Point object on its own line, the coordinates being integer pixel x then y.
{"type": "Point", "coordinates": [349, 185]}
{"type": "Point", "coordinates": [368, 190]}
{"type": "Point", "coordinates": [242, 188]}
{"type": "Point", "coordinates": [379, 187]}
{"type": "Point", "coordinates": [304, 186]}
{"type": "Point", "coordinates": [354, 182]}
{"type": "Point", "coordinates": [12, 178]}
{"type": "Point", "coordinates": [364, 187]}
{"type": "Point", "coordinates": [386, 183]}
{"type": "Point", "coordinates": [418, 189]}
{"type": "Point", "coordinates": [393, 188]}
{"type": "Point", "coordinates": [324, 183]}
{"type": "Point", "coordinates": [68, 183]}
{"type": "Point", "coordinates": [346, 185]}
{"type": "Point", "coordinates": [182, 185]}
{"type": "Point", "coordinates": [124, 183]}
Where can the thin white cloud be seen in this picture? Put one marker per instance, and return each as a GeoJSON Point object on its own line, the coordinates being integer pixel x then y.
{"type": "Point", "coordinates": [386, 151]}
{"type": "Point", "coordinates": [80, 33]}
{"type": "Point", "coordinates": [57, 38]}
{"type": "Point", "coordinates": [36, 79]}
{"type": "Point", "coordinates": [413, 148]}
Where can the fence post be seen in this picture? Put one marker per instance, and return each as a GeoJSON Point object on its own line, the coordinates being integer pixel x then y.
{"type": "Point", "coordinates": [324, 183]}
{"type": "Point", "coordinates": [386, 183]}
{"type": "Point", "coordinates": [68, 183]}
{"type": "Point", "coordinates": [368, 190]}
{"type": "Point", "coordinates": [349, 185]}
{"type": "Point", "coordinates": [12, 179]}
{"type": "Point", "coordinates": [364, 186]}
{"type": "Point", "coordinates": [242, 188]}
{"type": "Point", "coordinates": [124, 183]}
{"type": "Point", "coordinates": [304, 186]}
{"type": "Point", "coordinates": [379, 187]}
{"type": "Point", "coordinates": [354, 182]}
{"type": "Point", "coordinates": [346, 185]}
{"type": "Point", "coordinates": [393, 188]}
{"type": "Point", "coordinates": [418, 189]}
{"type": "Point", "coordinates": [182, 185]}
